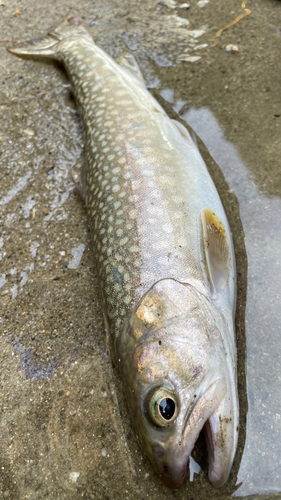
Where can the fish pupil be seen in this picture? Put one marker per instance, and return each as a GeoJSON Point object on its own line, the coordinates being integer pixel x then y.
{"type": "Point", "coordinates": [167, 408]}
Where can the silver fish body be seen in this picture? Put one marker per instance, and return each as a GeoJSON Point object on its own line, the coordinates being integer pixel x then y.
{"type": "Point", "coordinates": [164, 255]}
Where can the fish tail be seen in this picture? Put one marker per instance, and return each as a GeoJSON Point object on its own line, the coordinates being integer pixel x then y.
{"type": "Point", "coordinates": [50, 46]}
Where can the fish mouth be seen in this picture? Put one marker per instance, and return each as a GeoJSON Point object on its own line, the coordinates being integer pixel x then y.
{"type": "Point", "coordinates": [206, 415]}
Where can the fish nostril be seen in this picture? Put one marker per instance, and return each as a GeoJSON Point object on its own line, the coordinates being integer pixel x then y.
{"type": "Point", "coordinates": [158, 450]}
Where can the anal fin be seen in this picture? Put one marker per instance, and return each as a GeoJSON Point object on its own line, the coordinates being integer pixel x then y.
{"type": "Point", "coordinates": [128, 62]}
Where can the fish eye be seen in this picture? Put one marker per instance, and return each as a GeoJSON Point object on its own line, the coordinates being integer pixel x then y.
{"type": "Point", "coordinates": [162, 407]}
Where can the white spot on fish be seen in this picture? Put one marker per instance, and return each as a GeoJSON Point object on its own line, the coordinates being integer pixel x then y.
{"type": "Point", "coordinates": [123, 241]}
{"type": "Point", "coordinates": [116, 170]}
{"type": "Point", "coordinates": [132, 214]}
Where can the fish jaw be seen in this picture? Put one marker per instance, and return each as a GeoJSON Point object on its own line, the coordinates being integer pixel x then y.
{"type": "Point", "coordinates": [221, 434]}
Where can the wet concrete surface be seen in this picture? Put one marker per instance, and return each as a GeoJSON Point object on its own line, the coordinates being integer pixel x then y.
{"type": "Point", "coordinates": [65, 430]}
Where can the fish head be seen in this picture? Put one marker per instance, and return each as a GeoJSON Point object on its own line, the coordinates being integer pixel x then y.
{"type": "Point", "coordinates": [173, 363]}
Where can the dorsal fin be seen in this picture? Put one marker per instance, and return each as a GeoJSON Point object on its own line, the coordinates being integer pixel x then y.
{"type": "Point", "coordinates": [216, 250]}
{"type": "Point", "coordinates": [128, 62]}
{"type": "Point", "coordinates": [79, 172]}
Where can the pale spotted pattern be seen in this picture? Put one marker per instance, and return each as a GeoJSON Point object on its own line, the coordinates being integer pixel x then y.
{"type": "Point", "coordinates": [140, 191]}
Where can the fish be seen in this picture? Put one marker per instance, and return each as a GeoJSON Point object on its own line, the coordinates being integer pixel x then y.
{"type": "Point", "coordinates": [164, 255]}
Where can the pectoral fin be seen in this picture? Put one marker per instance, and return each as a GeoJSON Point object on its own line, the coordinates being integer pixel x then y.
{"type": "Point", "coordinates": [184, 132]}
{"type": "Point", "coordinates": [216, 250]}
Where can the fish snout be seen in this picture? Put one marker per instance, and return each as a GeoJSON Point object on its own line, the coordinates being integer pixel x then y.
{"type": "Point", "coordinates": [170, 467]}
{"type": "Point", "coordinates": [173, 476]}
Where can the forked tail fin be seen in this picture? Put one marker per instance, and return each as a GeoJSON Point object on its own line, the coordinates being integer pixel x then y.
{"type": "Point", "coordinates": [50, 45]}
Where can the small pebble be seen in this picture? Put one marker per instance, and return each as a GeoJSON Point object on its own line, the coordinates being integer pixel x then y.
{"type": "Point", "coordinates": [28, 131]}
{"type": "Point", "coordinates": [186, 58]}
{"type": "Point", "coordinates": [73, 476]}
{"type": "Point", "coordinates": [231, 47]}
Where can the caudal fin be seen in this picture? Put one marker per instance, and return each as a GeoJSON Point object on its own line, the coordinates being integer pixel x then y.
{"type": "Point", "coordinates": [50, 45]}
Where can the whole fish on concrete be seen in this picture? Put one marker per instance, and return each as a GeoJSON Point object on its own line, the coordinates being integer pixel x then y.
{"type": "Point", "coordinates": [164, 256]}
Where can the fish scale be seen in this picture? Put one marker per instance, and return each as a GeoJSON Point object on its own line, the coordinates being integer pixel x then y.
{"type": "Point", "coordinates": [164, 256]}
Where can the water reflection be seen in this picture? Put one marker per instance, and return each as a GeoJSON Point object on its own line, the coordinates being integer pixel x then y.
{"type": "Point", "coordinates": [260, 215]}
